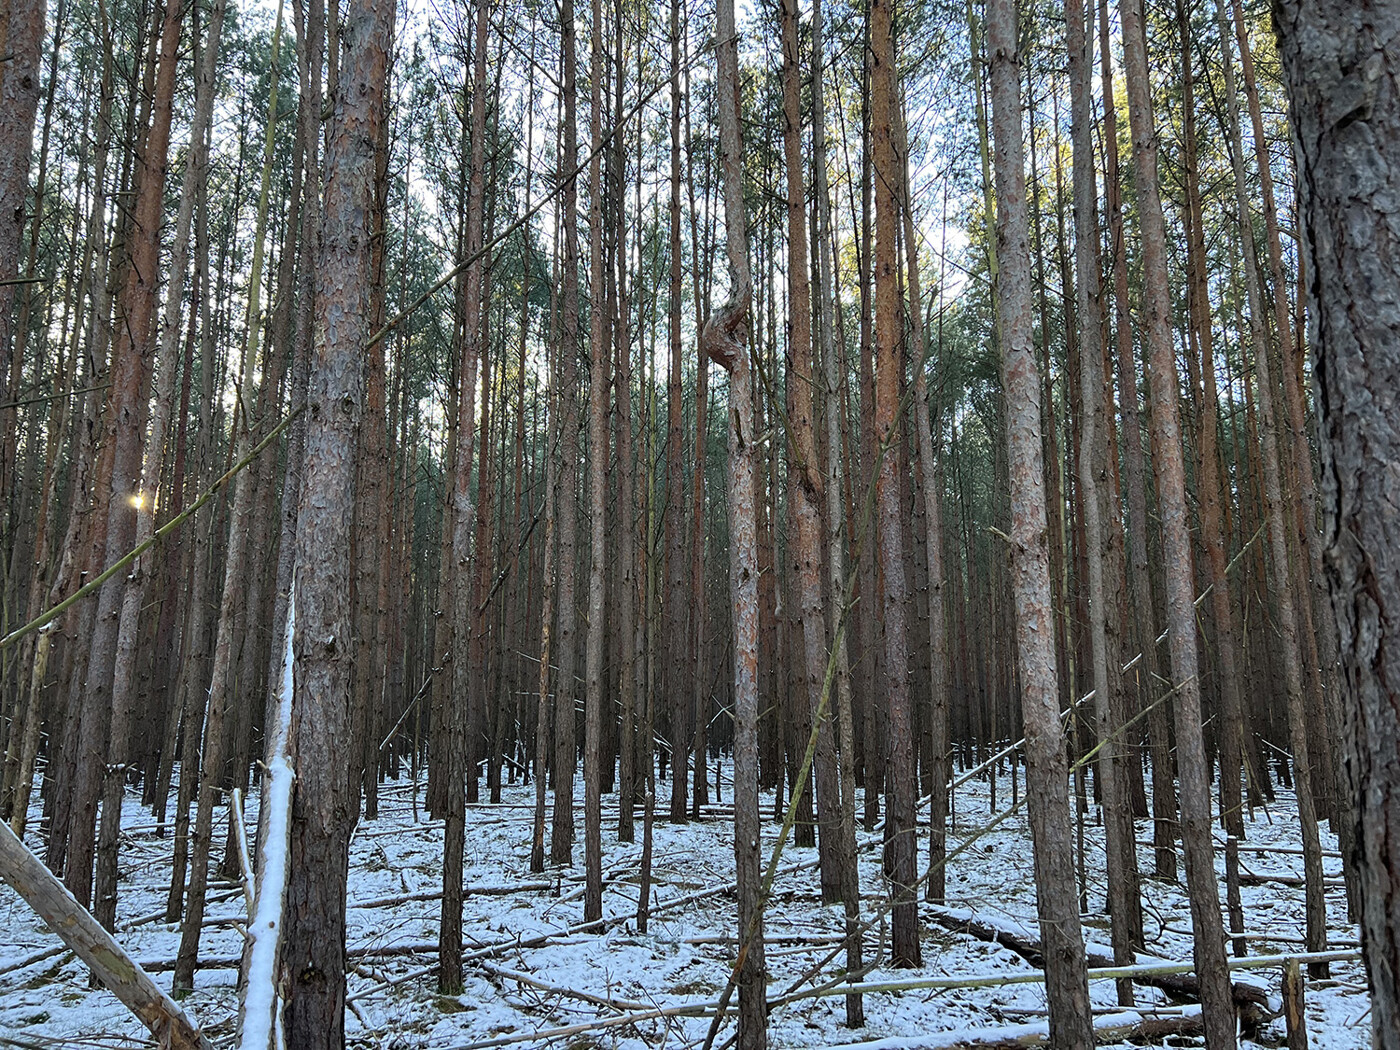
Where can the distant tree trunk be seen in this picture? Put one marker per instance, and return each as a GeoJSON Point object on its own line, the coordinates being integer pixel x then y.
{"type": "Point", "coordinates": [1192, 767]}
{"type": "Point", "coordinates": [1103, 540]}
{"type": "Point", "coordinates": [190, 684]}
{"type": "Point", "coordinates": [1345, 113]}
{"type": "Point", "coordinates": [1316, 627]}
{"type": "Point", "coordinates": [723, 338]}
{"type": "Point", "coordinates": [598, 400]}
{"type": "Point", "coordinates": [310, 37]}
{"type": "Point", "coordinates": [804, 473]}
{"type": "Point", "coordinates": [125, 423]}
{"type": "Point", "coordinates": [313, 957]}
{"type": "Point", "coordinates": [124, 687]}
{"type": "Point", "coordinates": [629, 756]}
{"type": "Point", "coordinates": [547, 577]}
{"type": "Point", "coordinates": [465, 677]}
{"type": "Point", "coordinates": [677, 592]}
{"type": "Point", "coordinates": [835, 549]}
{"type": "Point", "coordinates": [561, 844]}
{"type": "Point", "coordinates": [900, 788]}
{"type": "Point", "coordinates": [930, 481]}
{"type": "Point", "coordinates": [1210, 484]}
{"type": "Point", "coordinates": [1135, 459]}
{"type": "Point", "coordinates": [872, 743]}
{"type": "Point", "coordinates": [1071, 1023]}
{"type": "Point", "coordinates": [1282, 580]}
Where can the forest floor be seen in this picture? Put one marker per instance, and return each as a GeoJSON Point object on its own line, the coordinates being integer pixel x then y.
{"type": "Point", "coordinates": [684, 958]}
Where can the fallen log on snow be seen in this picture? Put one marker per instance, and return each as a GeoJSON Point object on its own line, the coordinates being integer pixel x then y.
{"type": "Point", "coordinates": [75, 925]}
{"type": "Point", "coordinates": [1128, 1026]}
{"type": "Point", "coordinates": [1251, 1000]}
{"type": "Point", "coordinates": [467, 891]}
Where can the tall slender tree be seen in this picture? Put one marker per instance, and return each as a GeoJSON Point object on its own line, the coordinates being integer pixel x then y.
{"type": "Point", "coordinates": [1192, 768]}
{"type": "Point", "coordinates": [724, 338]}
{"type": "Point", "coordinates": [1047, 773]}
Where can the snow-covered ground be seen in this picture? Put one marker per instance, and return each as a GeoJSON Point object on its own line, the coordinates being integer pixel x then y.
{"type": "Point", "coordinates": [684, 957]}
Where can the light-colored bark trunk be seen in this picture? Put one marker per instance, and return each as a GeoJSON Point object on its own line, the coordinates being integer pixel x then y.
{"type": "Point", "coordinates": [1047, 773]}
{"type": "Point", "coordinates": [90, 942]}
{"type": "Point", "coordinates": [724, 338]}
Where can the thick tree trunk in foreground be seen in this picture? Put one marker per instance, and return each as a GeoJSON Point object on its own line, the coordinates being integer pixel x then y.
{"type": "Point", "coordinates": [1344, 86]}
{"type": "Point", "coordinates": [323, 803]}
{"type": "Point", "coordinates": [724, 339]}
{"type": "Point", "coordinates": [1071, 1023]}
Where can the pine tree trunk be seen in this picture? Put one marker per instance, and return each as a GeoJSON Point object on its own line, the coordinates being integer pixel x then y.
{"type": "Point", "coordinates": [598, 401]}
{"type": "Point", "coordinates": [723, 338]}
{"type": "Point", "coordinates": [464, 674]}
{"type": "Point", "coordinates": [1281, 580]}
{"type": "Point", "coordinates": [1136, 459]}
{"type": "Point", "coordinates": [313, 966]}
{"type": "Point", "coordinates": [102, 732]}
{"type": "Point", "coordinates": [1071, 1023]}
{"type": "Point", "coordinates": [1192, 767]}
{"type": "Point", "coordinates": [1102, 538]}
{"type": "Point", "coordinates": [1344, 113]}
{"type": "Point", "coordinates": [900, 831]}
{"type": "Point", "coordinates": [19, 102]}
{"type": "Point", "coordinates": [561, 843]}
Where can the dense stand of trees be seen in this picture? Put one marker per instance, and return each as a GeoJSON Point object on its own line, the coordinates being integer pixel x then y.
{"type": "Point", "coordinates": [387, 346]}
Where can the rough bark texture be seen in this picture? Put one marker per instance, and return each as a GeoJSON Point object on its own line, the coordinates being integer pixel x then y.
{"type": "Point", "coordinates": [1047, 773]}
{"type": "Point", "coordinates": [20, 45]}
{"type": "Point", "coordinates": [313, 958]}
{"type": "Point", "coordinates": [1344, 86]}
